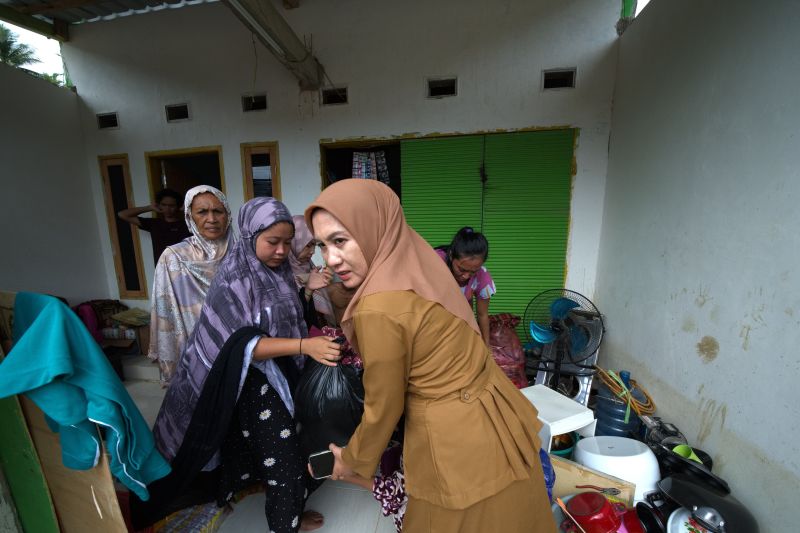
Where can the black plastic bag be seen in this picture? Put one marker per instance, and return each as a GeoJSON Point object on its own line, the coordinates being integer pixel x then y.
{"type": "Point", "coordinates": [329, 402]}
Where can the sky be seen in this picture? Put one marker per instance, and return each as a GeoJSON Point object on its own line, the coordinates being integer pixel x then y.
{"type": "Point", "coordinates": [47, 50]}
{"type": "Point", "coordinates": [640, 5]}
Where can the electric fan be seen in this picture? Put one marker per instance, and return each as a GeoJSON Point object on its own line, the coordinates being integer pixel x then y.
{"type": "Point", "coordinates": [564, 330]}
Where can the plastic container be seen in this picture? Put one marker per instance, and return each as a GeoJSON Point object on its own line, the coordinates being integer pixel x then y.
{"type": "Point", "coordinates": [610, 413]}
{"type": "Point", "coordinates": [566, 452]}
{"type": "Point", "coordinates": [627, 459]}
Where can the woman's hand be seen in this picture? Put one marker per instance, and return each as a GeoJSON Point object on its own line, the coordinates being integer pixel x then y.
{"type": "Point", "coordinates": [322, 349]}
{"type": "Point", "coordinates": [340, 469]}
{"type": "Point", "coordinates": [319, 279]}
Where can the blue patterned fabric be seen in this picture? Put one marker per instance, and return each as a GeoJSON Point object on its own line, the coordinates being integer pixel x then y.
{"type": "Point", "coordinates": [549, 473]}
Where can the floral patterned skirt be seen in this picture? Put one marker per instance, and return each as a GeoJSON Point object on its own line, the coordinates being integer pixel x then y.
{"type": "Point", "coordinates": [262, 446]}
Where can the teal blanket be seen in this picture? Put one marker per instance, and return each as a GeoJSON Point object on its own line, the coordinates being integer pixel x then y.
{"type": "Point", "coordinates": [58, 365]}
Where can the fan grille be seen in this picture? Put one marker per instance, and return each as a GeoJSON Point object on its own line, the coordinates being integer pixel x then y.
{"type": "Point", "coordinates": [569, 325]}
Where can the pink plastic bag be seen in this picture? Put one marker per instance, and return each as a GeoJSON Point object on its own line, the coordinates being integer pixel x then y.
{"type": "Point", "coordinates": [89, 318]}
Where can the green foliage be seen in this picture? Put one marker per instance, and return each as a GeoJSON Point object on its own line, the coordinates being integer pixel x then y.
{"type": "Point", "coordinates": [14, 53]}
{"type": "Point", "coordinates": [53, 78]}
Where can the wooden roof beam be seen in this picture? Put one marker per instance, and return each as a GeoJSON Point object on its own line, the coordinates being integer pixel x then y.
{"type": "Point", "coordinates": [54, 6]}
{"type": "Point", "coordinates": [279, 38]}
{"type": "Point", "coordinates": [57, 30]}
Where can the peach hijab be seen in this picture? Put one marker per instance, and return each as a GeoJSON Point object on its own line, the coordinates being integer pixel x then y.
{"type": "Point", "coordinates": [398, 258]}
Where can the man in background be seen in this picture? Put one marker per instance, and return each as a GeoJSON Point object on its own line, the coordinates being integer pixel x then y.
{"type": "Point", "coordinates": [165, 230]}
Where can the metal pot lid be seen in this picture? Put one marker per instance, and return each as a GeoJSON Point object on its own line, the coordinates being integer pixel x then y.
{"type": "Point", "coordinates": [716, 510]}
{"type": "Point", "coordinates": [681, 465]}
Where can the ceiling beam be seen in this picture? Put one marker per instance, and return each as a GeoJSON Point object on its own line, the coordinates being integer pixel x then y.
{"type": "Point", "coordinates": [57, 30]}
{"type": "Point", "coordinates": [54, 6]}
{"type": "Point", "coordinates": [274, 32]}
{"type": "Point", "coordinates": [291, 4]}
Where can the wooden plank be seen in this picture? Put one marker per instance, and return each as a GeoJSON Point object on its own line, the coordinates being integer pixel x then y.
{"type": "Point", "coordinates": [85, 500]}
{"type": "Point", "coordinates": [23, 471]}
{"type": "Point", "coordinates": [53, 31]}
{"type": "Point", "coordinates": [54, 6]}
{"type": "Point", "coordinates": [570, 474]}
{"type": "Point", "coordinates": [18, 458]}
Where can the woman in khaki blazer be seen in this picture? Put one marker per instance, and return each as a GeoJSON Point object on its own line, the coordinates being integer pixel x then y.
{"type": "Point", "coordinates": [471, 450]}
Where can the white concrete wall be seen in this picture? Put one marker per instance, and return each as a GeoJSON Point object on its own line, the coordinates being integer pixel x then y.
{"type": "Point", "coordinates": [383, 50]}
{"type": "Point", "coordinates": [698, 272]}
{"type": "Point", "coordinates": [50, 231]}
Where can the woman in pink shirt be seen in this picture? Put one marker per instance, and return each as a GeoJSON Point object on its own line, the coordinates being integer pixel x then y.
{"type": "Point", "coordinates": [465, 256]}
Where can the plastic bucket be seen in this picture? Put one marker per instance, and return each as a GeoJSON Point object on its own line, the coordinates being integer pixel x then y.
{"type": "Point", "coordinates": [610, 413]}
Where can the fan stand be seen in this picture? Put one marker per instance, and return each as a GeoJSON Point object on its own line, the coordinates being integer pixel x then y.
{"type": "Point", "coordinates": [555, 369]}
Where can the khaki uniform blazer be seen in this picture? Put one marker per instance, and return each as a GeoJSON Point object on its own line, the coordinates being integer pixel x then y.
{"type": "Point", "coordinates": [469, 433]}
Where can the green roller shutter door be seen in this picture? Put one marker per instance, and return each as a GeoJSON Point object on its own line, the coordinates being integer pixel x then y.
{"type": "Point", "coordinates": [441, 186]}
{"type": "Point", "coordinates": [526, 214]}
{"type": "Point", "coordinates": [523, 210]}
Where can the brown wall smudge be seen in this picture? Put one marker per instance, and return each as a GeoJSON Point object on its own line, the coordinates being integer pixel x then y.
{"type": "Point", "coordinates": [708, 349]}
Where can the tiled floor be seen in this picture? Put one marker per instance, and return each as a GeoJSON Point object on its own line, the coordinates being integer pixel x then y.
{"type": "Point", "coordinates": [148, 396]}
{"type": "Point", "coordinates": [346, 508]}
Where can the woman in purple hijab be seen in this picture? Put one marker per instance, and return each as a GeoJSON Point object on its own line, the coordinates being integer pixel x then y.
{"type": "Point", "coordinates": [252, 304]}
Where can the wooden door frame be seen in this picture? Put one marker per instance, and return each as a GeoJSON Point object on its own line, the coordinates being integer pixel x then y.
{"type": "Point", "coordinates": [250, 148]}
{"type": "Point", "coordinates": [113, 221]}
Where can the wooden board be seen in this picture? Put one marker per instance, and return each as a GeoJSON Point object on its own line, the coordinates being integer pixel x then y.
{"type": "Point", "coordinates": [570, 474]}
{"type": "Point", "coordinates": [23, 471]}
{"type": "Point", "coordinates": [85, 500]}
{"type": "Point", "coordinates": [18, 458]}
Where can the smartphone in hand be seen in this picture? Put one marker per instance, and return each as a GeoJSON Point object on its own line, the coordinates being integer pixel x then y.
{"type": "Point", "coordinates": [321, 464]}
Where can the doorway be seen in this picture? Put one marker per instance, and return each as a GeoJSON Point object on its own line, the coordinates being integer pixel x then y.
{"type": "Point", "coordinates": [180, 170]}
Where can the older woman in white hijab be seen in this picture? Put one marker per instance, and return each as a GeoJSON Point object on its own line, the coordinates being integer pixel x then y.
{"type": "Point", "coordinates": [183, 275]}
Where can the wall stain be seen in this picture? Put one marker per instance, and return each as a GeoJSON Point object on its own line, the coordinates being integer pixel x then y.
{"type": "Point", "coordinates": [711, 415]}
{"type": "Point", "coordinates": [688, 324]}
{"type": "Point", "coordinates": [708, 349]}
{"type": "Point", "coordinates": [789, 311]}
{"type": "Point", "coordinates": [702, 297]}
{"type": "Point", "coordinates": [756, 315]}
{"type": "Point", "coordinates": [714, 316]}
{"type": "Point", "coordinates": [700, 388]}
{"type": "Point", "coordinates": [744, 334]}
{"type": "Point", "coordinates": [720, 460]}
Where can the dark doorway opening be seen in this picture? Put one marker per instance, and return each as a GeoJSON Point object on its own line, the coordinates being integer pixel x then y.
{"type": "Point", "coordinates": [180, 170]}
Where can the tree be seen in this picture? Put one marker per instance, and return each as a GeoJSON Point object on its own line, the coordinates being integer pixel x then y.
{"type": "Point", "coordinates": [53, 78]}
{"type": "Point", "coordinates": [14, 53]}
